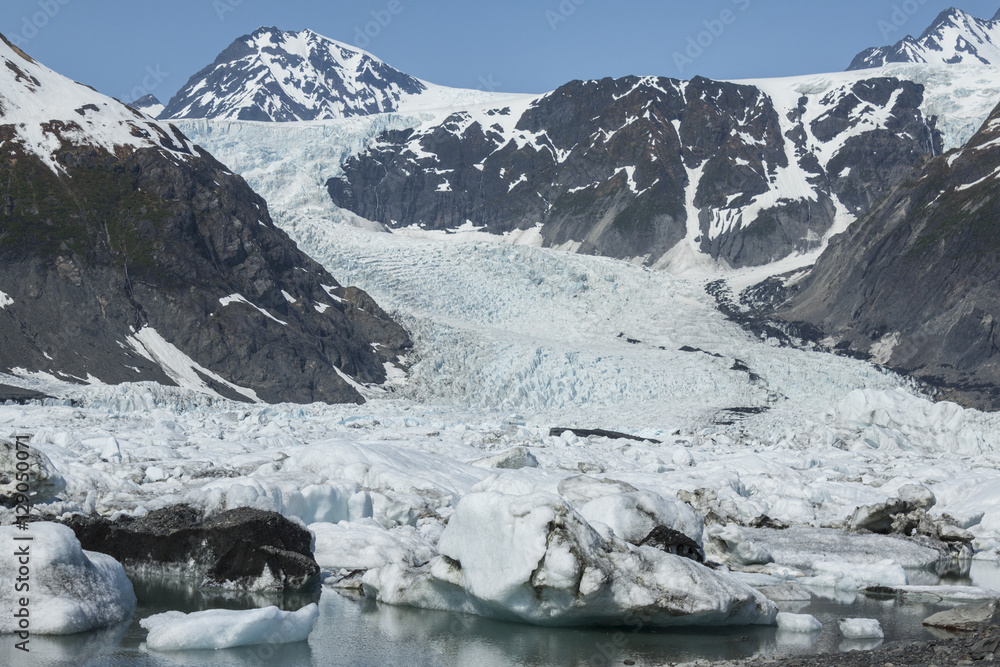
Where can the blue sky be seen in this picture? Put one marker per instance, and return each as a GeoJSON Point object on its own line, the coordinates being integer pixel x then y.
{"type": "Point", "coordinates": [123, 47]}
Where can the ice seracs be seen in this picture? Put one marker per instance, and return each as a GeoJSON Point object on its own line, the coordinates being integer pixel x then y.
{"type": "Point", "coordinates": [69, 590]}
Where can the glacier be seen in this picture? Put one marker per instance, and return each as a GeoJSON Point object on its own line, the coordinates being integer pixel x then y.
{"type": "Point", "coordinates": [512, 341]}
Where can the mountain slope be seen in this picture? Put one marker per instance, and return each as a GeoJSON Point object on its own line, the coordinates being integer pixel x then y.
{"type": "Point", "coordinates": [955, 37]}
{"type": "Point", "coordinates": [274, 75]}
{"type": "Point", "coordinates": [650, 168]}
{"type": "Point", "coordinates": [914, 284]}
{"type": "Point", "coordinates": [128, 254]}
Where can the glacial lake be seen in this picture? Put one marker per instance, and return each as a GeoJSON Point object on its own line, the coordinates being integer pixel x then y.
{"type": "Point", "coordinates": [361, 633]}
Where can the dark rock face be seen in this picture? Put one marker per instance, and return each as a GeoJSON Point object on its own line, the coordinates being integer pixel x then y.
{"type": "Point", "coordinates": [913, 284]}
{"type": "Point", "coordinates": [144, 240]}
{"type": "Point", "coordinates": [674, 542]}
{"type": "Point", "coordinates": [273, 75]}
{"type": "Point", "coordinates": [235, 548]}
{"type": "Point", "coordinates": [600, 433]}
{"type": "Point", "coordinates": [954, 37]}
{"type": "Point", "coordinates": [607, 167]}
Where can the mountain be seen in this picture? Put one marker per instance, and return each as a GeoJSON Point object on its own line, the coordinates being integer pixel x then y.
{"type": "Point", "coordinates": [913, 285]}
{"type": "Point", "coordinates": [955, 37]}
{"type": "Point", "coordinates": [274, 75]}
{"type": "Point", "coordinates": [129, 254]}
{"type": "Point", "coordinates": [149, 105]}
{"type": "Point", "coordinates": [652, 169]}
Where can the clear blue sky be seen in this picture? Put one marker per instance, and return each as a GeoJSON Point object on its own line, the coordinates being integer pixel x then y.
{"type": "Point", "coordinates": [517, 45]}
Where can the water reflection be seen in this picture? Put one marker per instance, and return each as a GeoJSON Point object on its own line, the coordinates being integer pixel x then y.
{"type": "Point", "coordinates": [65, 649]}
{"type": "Point", "coordinates": [860, 644]}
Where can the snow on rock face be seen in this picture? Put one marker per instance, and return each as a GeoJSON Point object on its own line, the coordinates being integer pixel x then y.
{"type": "Point", "coordinates": [534, 559]}
{"type": "Point", "coordinates": [955, 38]}
{"type": "Point", "coordinates": [71, 590]}
{"type": "Point", "coordinates": [227, 628]}
{"type": "Point", "coordinates": [282, 76]}
{"type": "Point", "coordinates": [42, 109]}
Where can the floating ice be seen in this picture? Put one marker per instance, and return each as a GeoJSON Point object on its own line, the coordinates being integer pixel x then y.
{"type": "Point", "coordinates": [798, 623]}
{"type": "Point", "coordinates": [861, 628]}
{"type": "Point", "coordinates": [534, 559]}
{"type": "Point", "coordinates": [69, 590]}
{"type": "Point", "coordinates": [227, 628]}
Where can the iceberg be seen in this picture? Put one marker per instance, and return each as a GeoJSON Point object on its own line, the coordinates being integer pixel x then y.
{"type": "Point", "coordinates": [228, 628]}
{"type": "Point", "coordinates": [534, 559]}
{"type": "Point", "coordinates": [68, 590]}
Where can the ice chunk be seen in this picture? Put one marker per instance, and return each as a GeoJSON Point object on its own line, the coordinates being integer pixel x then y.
{"type": "Point", "coordinates": [227, 628]}
{"type": "Point", "coordinates": [514, 459]}
{"type": "Point", "coordinates": [917, 495]}
{"type": "Point", "coordinates": [44, 482]}
{"type": "Point", "coordinates": [634, 515]}
{"type": "Point", "coordinates": [71, 590]}
{"type": "Point", "coordinates": [861, 628]}
{"type": "Point", "coordinates": [729, 545]}
{"type": "Point", "coordinates": [364, 545]}
{"type": "Point", "coordinates": [845, 576]}
{"type": "Point", "coordinates": [798, 623]}
{"type": "Point", "coordinates": [534, 559]}
{"type": "Point", "coordinates": [581, 489]}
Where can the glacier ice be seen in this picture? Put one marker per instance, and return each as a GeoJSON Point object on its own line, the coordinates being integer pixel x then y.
{"type": "Point", "coordinates": [70, 590]}
{"type": "Point", "coordinates": [534, 559]}
{"type": "Point", "coordinates": [228, 628]}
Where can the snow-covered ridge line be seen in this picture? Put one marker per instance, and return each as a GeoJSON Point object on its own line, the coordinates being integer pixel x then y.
{"type": "Point", "coordinates": [954, 38]}
{"type": "Point", "coordinates": [44, 109]}
{"type": "Point", "coordinates": [283, 76]}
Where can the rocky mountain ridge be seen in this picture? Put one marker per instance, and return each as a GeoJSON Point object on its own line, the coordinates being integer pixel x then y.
{"type": "Point", "coordinates": [912, 285]}
{"type": "Point", "coordinates": [954, 38]}
{"type": "Point", "coordinates": [653, 169]}
{"type": "Point", "coordinates": [129, 254]}
{"type": "Point", "coordinates": [282, 76]}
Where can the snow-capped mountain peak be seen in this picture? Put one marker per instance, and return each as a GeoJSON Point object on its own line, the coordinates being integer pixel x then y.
{"type": "Point", "coordinates": [149, 105]}
{"type": "Point", "coordinates": [954, 38]}
{"type": "Point", "coordinates": [41, 111]}
{"type": "Point", "coordinates": [275, 75]}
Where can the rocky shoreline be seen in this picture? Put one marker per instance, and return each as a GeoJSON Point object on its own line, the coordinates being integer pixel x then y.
{"type": "Point", "coordinates": [978, 647]}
